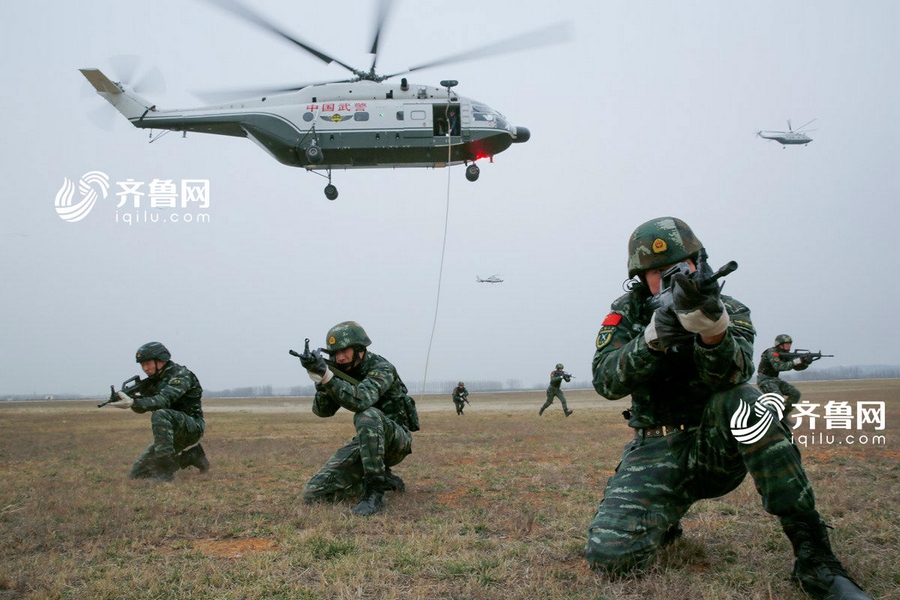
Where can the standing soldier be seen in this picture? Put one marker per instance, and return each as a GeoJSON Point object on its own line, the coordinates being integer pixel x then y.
{"type": "Point", "coordinates": [460, 397]}
{"type": "Point", "coordinates": [699, 428]}
{"type": "Point", "coordinates": [771, 363]}
{"type": "Point", "coordinates": [555, 391]}
{"type": "Point", "coordinates": [383, 414]}
{"type": "Point", "coordinates": [172, 393]}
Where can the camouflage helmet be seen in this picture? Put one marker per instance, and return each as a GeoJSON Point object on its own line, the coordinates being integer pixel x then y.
{"type": "Point", "coordinates": [783, 339]}
{"type": "Point", "coordinates": [560, 366]}
{"type": "Point", "coordinates": [152, 351]}
{"type": "Point", "coordinates": [344, 335]}
{"type": "Point", "coordinates": [460, 384]}
{"type": "Point", "coordinates": [660, 242]}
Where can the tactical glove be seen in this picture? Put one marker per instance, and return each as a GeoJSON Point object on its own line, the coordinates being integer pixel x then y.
{"type": "Point", "coordinates": [699, 311]}
{"type": "Point", "coordinates": [124, 401]}
{"type": "Point", "coordinates": [316, 367]}
{"type": "Point", "coordinates": [310, 360]}
{"type": "Point", "coordinates": [665, 331]}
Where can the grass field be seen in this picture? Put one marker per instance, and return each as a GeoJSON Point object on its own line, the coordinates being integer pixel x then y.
{"type": "Point", "coordinates": [497, 506]}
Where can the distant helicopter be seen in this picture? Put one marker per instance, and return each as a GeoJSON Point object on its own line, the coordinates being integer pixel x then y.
{"type": "Point", "coordinates": [354, 123]}
{"type": "Point", "coordinates": [492, 279]}
{"type": "Point", "coordinates": [789, 137]}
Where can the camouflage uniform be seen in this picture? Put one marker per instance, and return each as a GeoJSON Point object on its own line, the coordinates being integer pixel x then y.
{"type": "Point", "coordinates": [383, 424]}
{"type": "Point", "coordinates": [173, 396]}
{"type": "Point", "coordinates": [554, 390]}
{"type": "Point", "coordinates": [683, 400]}
{"type": "Point", "coordinates": [768, 382]}
{"type": "Point", "coordinates": [460, 396]}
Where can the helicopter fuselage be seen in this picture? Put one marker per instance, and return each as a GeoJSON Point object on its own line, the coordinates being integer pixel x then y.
{"type": "Point", "coordinates": [785, 137]}
{"type": "Point", "coordinates": [354, 125]}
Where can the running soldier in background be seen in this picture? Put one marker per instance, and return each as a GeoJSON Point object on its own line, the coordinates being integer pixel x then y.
{"type": "Point", "coordinates": [460, 397]}
{"type": "Point", "coordinates": [383, 414]}
{"type": "Point", "coordinates": [172, 393]}
{"type": "Point", "coordinates": [699, 428]}
{"type": "Point", "coordinates": [554, 390]}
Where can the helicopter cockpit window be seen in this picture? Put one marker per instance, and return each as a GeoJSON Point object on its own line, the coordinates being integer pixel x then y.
{"type": "Point", "coordinates": [399, 115]}
{"type": "Point", "coordinates": [488, 117]}
{"type": "Point", "coordinates": [360, 116]}
{"type": "Point", "coordinates": [308, 116]}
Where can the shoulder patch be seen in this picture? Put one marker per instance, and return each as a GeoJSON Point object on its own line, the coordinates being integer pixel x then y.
{"type": "Point", "coordinates": [611, 320]}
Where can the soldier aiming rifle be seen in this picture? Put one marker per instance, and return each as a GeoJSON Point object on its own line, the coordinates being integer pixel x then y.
{"type": "Point", "coordinates": [779, 358]}
{"type": "Point", "coordinates": [383, 415]}
{"type": "Point", "coordinates": [172, 393]}
{"type": "Point", "coordinates": [699, 428]}
{"type": "Point", "coordinates": [554, 390]}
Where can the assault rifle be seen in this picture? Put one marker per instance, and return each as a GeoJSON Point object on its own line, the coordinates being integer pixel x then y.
{"type": "Point", "coordinates": [704, 277]}
{"type": "Point", "coordinates": [569, 375]}
{"type": "Point", "coordinates": [332, 366]}
{"type": "Point", "coordinates": [806, 355]}
{"type": "Point", "coordinates": [132, 387]}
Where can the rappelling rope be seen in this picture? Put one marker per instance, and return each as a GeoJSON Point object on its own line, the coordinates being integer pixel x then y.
{"type": "Point", "coordinates": [437, 300]}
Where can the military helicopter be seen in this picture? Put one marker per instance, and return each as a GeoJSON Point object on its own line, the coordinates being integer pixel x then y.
{"type": "Point", "coordinates": [789, 137]}
{"type": "Point", "coordinates": [492, 279]}
{"type": "Point", "coordinates": [362, 122]}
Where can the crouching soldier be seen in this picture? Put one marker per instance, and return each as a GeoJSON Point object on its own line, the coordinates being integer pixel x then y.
{"type": "Point", "coordinates": [172, 393]}
{"type": "Point", "coordinates": [383, 414]}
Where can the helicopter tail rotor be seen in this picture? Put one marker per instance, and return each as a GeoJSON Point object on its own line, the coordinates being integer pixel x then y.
{"type": "Point", "coordinates": [135, 81]}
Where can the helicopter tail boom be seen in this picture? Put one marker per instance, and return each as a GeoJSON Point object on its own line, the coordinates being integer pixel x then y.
{"type": "Point", "coordinates": [123, 99]}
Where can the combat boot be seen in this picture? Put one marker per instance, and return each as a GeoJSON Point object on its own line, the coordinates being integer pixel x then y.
{"type": "Point", "coordinates": [393, 482]}
{"type": "Point", "coordinates": [543, 408]}
{"type": "Point", "coordinates": [373, 499]}
{"type": "Point", "coordinates": [194, 457]}
{"type": "Point", "coordinates": [817, 570]}
{"type": "Point", "coordinates": [568, 412]}
{"type": "Point", "coordinates": [164, 469]}
{"type": "Point", "coordinates": [673, 533]}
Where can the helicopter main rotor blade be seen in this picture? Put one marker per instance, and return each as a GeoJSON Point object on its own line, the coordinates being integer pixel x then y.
{"type": "Point", "coordinates": [554, 34]}
{"type": "Point", "coordinates": [384, 8]}
{"type": "Point", "coordinates": [245, 13]}
{"type": "Point", "coordinates": [802, 126]}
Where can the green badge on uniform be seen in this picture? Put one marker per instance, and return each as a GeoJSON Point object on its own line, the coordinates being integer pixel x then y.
{"type": "Point", "coordinates": [605, 336]}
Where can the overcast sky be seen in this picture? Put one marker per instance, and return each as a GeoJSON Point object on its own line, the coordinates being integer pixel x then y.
{"type": "Point", "coordinates": [651, 110]}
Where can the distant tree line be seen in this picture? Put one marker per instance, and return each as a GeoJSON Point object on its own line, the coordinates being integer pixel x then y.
{"type": "Point", "coordinates": [415, 388]}
{"type": "Point", "coordinates": [482, 385]}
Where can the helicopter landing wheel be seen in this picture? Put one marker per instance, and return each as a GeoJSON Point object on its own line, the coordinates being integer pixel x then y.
{"type": "Point", "coordinates": [472, 172]}
{"type": "Point", "coordinates": [314, 154]}
{"type": "Point", "coordinates": [331, 192]}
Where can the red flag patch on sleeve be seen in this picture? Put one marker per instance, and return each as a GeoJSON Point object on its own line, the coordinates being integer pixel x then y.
{"type": "Point", "coordinates": [611, 320]}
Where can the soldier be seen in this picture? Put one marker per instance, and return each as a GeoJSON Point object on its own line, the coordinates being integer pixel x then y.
{"type": "Point", "coordinates": [770, 363]}
{"type": "Point", "coordinates": [384, 415]}
{"type": "Point", "coordinates": [460, 397]}
{"type": "Point", "coordinates": [172, 393]}
{"type": "Point", "coordinates": [555, 391]}
{"type": "Point", "coordinates": [686, 365]}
